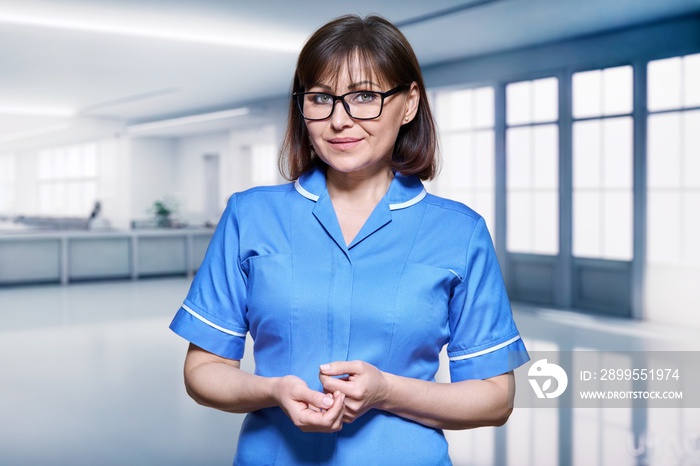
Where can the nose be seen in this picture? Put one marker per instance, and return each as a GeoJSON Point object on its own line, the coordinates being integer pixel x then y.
{"type": "Point", "coordinates": [340, 118]}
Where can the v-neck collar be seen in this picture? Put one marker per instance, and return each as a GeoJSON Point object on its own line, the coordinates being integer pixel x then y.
{"type": "Point", "coordinates": [404, 191]}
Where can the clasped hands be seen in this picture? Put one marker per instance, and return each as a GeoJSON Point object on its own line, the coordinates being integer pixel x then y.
{"type": "Point", "coordinates": [351, 389]}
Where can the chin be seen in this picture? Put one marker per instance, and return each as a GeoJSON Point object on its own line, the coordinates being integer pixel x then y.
{"type": "Point", "coordinates": [353, 165]}
{"type": "Point", "coordinates": [350, 168]}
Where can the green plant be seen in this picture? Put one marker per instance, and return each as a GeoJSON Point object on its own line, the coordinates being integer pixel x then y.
{"type": "Point", "coordinates": [160, 208]}
{"type": "Point", "coordinates": [163, 209]}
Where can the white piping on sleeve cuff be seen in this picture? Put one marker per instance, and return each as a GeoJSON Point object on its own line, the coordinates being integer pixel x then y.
{"type": "Point", "coordinates": [210, 323]}
{"type": "Point", "coordinates": [487, 350]}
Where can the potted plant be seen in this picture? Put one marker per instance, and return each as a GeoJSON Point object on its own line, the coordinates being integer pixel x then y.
{"type": "Point", "coordinates": [163, 209]}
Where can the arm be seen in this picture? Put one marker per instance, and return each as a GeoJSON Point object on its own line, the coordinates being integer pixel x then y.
{"type": "Point", "coordinates": [219, 383]}
{"type": "Point", "coordinates": [459, 405]}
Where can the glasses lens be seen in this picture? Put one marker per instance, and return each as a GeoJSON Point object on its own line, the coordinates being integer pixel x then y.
{"type": "Point", "coordinates": [316, 105]}
{"type": "Point", "coordinates": [364, 104]}
{"type": "Point", "coordinates": [361, 105]}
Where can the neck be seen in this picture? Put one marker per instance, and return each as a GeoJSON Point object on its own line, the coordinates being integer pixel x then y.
{"type": "Point", "coordinates": [358, 188]}
{"type": "Point", "coordinates": [354, 196]}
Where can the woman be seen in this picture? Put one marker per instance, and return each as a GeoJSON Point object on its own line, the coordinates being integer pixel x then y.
{"type": "Point", "coordinates": [352, 279]}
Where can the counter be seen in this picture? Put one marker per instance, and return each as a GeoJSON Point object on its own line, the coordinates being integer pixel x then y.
{"type": "Point", "coordinates": [70, 256]}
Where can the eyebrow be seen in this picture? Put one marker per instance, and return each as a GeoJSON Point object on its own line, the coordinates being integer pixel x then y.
{"type": "Point", "coordinates": [362, 84]}
{"type": "Point", "coordinates": [353, 86]}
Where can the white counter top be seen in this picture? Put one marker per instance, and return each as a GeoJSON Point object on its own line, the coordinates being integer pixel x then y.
{"type": "Point", "coordinates": [64, 256]}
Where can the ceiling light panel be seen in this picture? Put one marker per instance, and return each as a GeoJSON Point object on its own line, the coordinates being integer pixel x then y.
{"type": "Point", "coordinates": [156, 25]}
{"type": "Point", "coordinates": [37, 111]}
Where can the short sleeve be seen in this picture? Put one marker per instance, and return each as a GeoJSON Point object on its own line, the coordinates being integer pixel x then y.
{"type": "Point", "coordinates": [484, 340]}
{"type": "Point", "coordinates": [213, 315]}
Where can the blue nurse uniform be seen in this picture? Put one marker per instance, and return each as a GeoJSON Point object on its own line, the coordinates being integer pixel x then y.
{"type": "Point", "coordinates": [422, 273]}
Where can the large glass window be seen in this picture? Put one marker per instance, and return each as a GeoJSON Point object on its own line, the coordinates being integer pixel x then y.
{"type": "Point", "coordinates": [7, 184]}
{"type": "Point", "coordinates": [532, 166]}
{"type": "Point", "coordinates": [465, 120]}
{"type": "Point", "coordinates": [602, 163]}
{"type": "Point", "coordinates": [673, 161]}
{"type": "Point", "coordinates": [68, 180]}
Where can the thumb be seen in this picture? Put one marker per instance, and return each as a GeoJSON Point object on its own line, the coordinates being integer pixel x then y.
{"type": "Point", "coordinates": [318, 399]}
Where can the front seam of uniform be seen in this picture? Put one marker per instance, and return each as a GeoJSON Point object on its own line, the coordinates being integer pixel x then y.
{"type": "Point", "coordinates": [210, 323]}
{"type": "Point", "coordinates": [396, 299]}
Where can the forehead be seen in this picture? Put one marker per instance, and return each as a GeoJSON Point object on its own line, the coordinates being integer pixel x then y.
{"type": "Point", "coordinates": [344, 72]}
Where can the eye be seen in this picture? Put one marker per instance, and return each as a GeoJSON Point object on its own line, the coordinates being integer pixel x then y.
{"type": "Point", "coordinates": [363, 97]}
{"type": "Point", "coordinates": [321, 99]}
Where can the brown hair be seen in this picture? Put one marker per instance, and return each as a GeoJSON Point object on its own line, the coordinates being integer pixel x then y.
{"type": "Point", "coordinates": [386, 54]}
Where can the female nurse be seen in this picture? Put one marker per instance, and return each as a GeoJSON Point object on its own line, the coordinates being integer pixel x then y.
{"type": "Point", "coordinates": [351, 279]}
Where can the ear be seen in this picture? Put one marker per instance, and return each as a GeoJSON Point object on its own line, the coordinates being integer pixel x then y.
{"type": "Point", "coordinates": [412, 101]}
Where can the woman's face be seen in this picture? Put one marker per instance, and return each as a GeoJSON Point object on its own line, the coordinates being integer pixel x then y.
{"type": "Point", "coordinates": [360, 147]}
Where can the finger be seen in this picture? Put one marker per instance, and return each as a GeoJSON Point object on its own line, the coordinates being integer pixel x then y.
{"type": "Point", "coordinates": [316, 399]}
{"type": "Point", "coordinates": [340, 368]}
{"type": "Point", "coordinates": [338, 424]}
{"type": "Point", "coordinates": [330, 420]}
{"type": "Point", "coordinates": [312, 416]}
{"type": "Point", "coordinates": [352, 411]}
{"type": "Point", "coordinates": [334, 416]}
{"type": "Point", "coordinates": [333, 384]}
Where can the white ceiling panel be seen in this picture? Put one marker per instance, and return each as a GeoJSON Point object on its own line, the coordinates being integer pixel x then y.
{"type": "Point", "coordinates": [141, 60]}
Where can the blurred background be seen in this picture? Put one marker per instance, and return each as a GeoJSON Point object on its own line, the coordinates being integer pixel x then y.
{"type": "Point", "coordinates": [572, 127]}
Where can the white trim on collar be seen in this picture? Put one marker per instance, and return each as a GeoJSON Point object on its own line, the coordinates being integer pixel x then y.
{"type": "Point", "coordinates": [401, 205]}
{"type": "Point", "coordinates": [300, 189]}
{"type": "Point", "coordinates": [410, 202]}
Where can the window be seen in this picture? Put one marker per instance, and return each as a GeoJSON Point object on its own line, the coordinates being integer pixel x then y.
{"type": "Point", "coordinates": [532, 167]}
{"type": "Point", "coordinates": [7, 184]}
{"type": "Point", "coordinates": [602, 163]}
{"type": "Point", "coordinates": [465, 119]}
{"type": "Point", "coordinates": [68, 180]}
{"type": "Point", "coordinates": [673, 161]}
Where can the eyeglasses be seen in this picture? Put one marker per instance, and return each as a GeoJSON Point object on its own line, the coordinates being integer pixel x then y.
{"type": "Point", "coordinates": [360, 105]}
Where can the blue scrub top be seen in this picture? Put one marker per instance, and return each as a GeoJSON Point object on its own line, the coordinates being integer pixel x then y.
{"type": "Point", "coordinates": [422, 273]}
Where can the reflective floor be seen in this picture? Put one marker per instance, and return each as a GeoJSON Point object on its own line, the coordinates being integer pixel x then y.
{"type": "Point", "coordinates": [90, 374]}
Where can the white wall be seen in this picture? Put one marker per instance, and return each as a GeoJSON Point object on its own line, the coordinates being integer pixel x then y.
{"type": "Point", "coordinates": [238, 167]}
{"type": "Point", "coordinates": [672, 294]}
{"type": "Point", "coordinates": [115, 181]}
{"type": "Point", "coordinates": [235, 151]}
{"type": "Point", "coordinates": [26, 189]}
{"type": "Point", "coordinates": [190, 172]}
{"type": "Point", "coordinates": [153, 173]}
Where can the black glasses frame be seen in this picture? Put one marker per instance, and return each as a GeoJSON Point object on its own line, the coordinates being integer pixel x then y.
{"type": "Point", "coordinates": [299, 98]}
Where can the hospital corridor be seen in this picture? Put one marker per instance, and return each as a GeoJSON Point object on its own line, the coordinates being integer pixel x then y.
{"type": "Point", "coordinates": [572, 128]}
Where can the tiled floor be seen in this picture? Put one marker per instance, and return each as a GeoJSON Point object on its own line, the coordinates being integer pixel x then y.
{"type": "Point", "coordinates": [90, 375]}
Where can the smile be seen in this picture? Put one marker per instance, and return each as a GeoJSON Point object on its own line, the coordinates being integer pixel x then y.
{"type": "Point", "coordinates": [344, 143]}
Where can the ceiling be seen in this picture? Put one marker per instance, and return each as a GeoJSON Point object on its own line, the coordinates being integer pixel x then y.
{"type": "Point", "coordinates": [137, 61]}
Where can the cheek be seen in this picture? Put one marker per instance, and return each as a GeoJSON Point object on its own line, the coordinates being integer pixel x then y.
{"type": "Point", "coordinates": [315, 128]}
{"type": "Point", "coordinates": [388, 134]}
{"type": "Point", "coordinates": [314, 136]}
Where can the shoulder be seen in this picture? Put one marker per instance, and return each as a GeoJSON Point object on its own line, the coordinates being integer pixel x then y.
{"type": "Point", "coordinates": [258, 192]}
{"type": "Point", "coordinates": [450, 210]}
{"type": "Point", "coordinates": [261, 195]}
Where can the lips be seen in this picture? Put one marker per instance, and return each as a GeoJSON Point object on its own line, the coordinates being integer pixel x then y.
{"type": "Point", "coordinates": [344, 143]}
